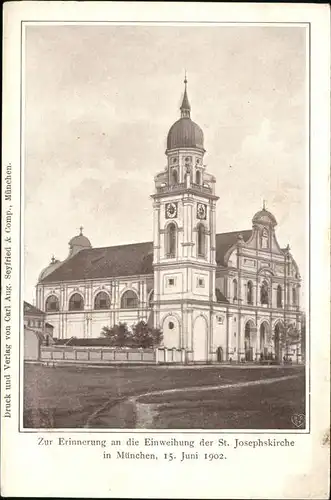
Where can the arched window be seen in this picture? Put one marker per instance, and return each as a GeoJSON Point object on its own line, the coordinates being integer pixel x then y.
{"type": "Point", "coordinates": [235, 289]}
{"type": "Point", "coordinates": [198, 177]}
{"type": "Point", "coordinates": [129, 300]}
{"type": "Point", "coordinates": [201, 241]}
{"type": "Point", "coordinates": [151, 298]}
{"type": "Point", "coordinates": [264, 293]}
{"type": "Point", "coordinates": [76, 302]}
{"type": "Point", "coordinates": [174, 176]}
{"type": "Point", "coordinates": [171, 240]}
{"type": "Point", "coordinates": [249, 292]}
{"type": "Point", "coordinates": [265, 238]}
{"type": "Point", "coordinates": [294, 296]}
{"type": "Point", "coordinates": [102, 301]}
{"type": "Point", "coordinates": [52, 304]}
{"type": "Point", "coordinates": [279, 296]}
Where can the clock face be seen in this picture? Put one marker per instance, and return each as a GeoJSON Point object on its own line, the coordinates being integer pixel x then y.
{"type": "Point", "coordinates": [171, 210]}
{"type": "Point", "coordinates": [201, 211]}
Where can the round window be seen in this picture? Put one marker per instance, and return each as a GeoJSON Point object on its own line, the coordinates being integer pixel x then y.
{"type": "Point", "coordinates": [174, 160]}
{"type": "Point", "coordinates": [171, 325]}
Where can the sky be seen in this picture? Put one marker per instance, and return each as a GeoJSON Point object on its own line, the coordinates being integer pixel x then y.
{"type": "Point", "coordinates": [99, 101]}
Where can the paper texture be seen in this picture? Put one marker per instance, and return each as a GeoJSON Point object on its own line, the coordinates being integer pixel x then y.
{"type": "Point", "coordinates": [180, 347]}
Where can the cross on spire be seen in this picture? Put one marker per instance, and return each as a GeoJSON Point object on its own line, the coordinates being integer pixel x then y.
{"type": "Point", "coordinates": [81, 230]}
{"type": "Point", "coordinates": [185, 107]}
{"type": "Point", "coordinates": [264, 204]}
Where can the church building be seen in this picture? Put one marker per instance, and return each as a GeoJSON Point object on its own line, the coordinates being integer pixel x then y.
{"type": "Point", "coordinates": [220, 297]}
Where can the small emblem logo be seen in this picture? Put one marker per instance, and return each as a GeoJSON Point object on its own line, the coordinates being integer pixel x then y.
{"type": "Point", "coordinates": [298, 420]}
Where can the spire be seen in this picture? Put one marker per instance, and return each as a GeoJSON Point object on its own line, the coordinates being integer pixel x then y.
{"type": "Point", "coordinates": [185, 107]}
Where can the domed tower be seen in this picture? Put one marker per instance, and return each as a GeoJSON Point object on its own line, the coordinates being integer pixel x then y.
{"type": "Point", "coordinates": [184, 238]}
{"type": "Point", "coordinates": [54, 264]}
{"type": "Point", "coordinates": [264, 223]}
{"type": "Point", "coordinates": [78, 243]}
{"type": "Point", "coordinates": [185, 147]}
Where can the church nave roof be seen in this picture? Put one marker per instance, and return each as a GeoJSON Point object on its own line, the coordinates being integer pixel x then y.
{"type": "Point", "coordinates": [125, 260]}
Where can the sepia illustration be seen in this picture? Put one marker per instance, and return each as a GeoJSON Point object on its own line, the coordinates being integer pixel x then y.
{"type": "Point", "coordinates": [173, 159]}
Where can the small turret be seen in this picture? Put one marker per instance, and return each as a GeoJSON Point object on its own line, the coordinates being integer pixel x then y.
{"type": "Point", "coordinates": [78, 243]}
{"type": "Point", "coordinates": [54, 264]}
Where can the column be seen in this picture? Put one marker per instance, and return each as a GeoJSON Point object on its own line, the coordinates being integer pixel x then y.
{"type": "Point", "coordinates": [228, 288]}
{"type": "Point", "coordinates": [42, 298]}
{"type": "Point", "coordinates": [38, 297]}
{"type": "Point", "coordinates": [298, 297]}
{"type": "Point", "coordinates": [255, 339]}
{"type": "Point", "coordinates": [66, 305]}
{"type": "Point", "coordinates": [88, 325]}
{"type": "Point", "coordinates": [239, 292]}
{"type": "Point", "coordinates": [213, 354]}
{"type": "Point", "coordinates": [156, 230]}
{"type": "Point", "coordinates": [256, 295]}
{"type": "Point", "coordinates": [213, 232]}
{"type": "Point", "coordinates": [117, 304]}
{"type": "Point", "coordinates": [64, 330]}
{"type": "Point", "coordinates": [157, 299]}
{"type": "Point", "coordinates": [187, 330]}
{"type": "Point", "coordinates": [62, 298]}
{"type": "Point", "coordinates": [186, 250]}
{"type": "Point", "coordinates": [244, 292]}
{"type": "Point", "coordinates": [229, 334]}
{"type": "Point", "coordinates": [240, 344]}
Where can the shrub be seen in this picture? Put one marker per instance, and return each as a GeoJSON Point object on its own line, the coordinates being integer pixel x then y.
{"type": "Point", "coordinates": [142, 335]}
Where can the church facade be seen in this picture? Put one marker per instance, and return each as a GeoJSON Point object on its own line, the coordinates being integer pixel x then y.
{"type": "Point", "coordinates": [219, 297]}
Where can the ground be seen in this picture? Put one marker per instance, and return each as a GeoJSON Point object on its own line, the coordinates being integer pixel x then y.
{"type": "Point", "coordinates": [212, 397]}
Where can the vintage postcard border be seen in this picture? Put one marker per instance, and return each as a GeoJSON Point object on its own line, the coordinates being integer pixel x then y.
{"type": "Point", "coordinates": [307, 430]}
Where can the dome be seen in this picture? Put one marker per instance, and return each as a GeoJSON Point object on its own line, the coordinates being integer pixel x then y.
{"type": "Point", "coordinates": [49, 269]}
{"type": "Point", "coordinates": [185, 134]}
{"type": "Point", "coordinates": [80, 241]}
{"type": "Point", "coordinates": [265, 218]}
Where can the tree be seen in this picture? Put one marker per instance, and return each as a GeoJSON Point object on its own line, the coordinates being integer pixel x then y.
{"type": "Point", "coordinates": [146, 336]}
{"type": "Point", "coordinates": [118, 335]}
{"type": "Point", "coordinates": [303, 336]}
{"type": "Point", "coordinates": [289, 336]}
{"type": "Point", "coordinates": [142, 335]}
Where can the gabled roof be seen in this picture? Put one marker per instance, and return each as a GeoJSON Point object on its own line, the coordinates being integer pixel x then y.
{"type": "Point", "coordinates": [32, 310]}
{"type": "Point", "coordinates": [97, 263]}
{"type": "Point", "coordinates": [125, 260]}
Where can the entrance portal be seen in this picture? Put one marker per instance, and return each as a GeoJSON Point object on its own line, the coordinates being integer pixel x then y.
{"type": "Point", "coordinates": [220, 354]}
{"type": "Point", "coordinates": [277, 341]}
{"type": "Point", "coordinates": [264, 341]}
{"type": "Point", "coordinates": [248, 341]}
